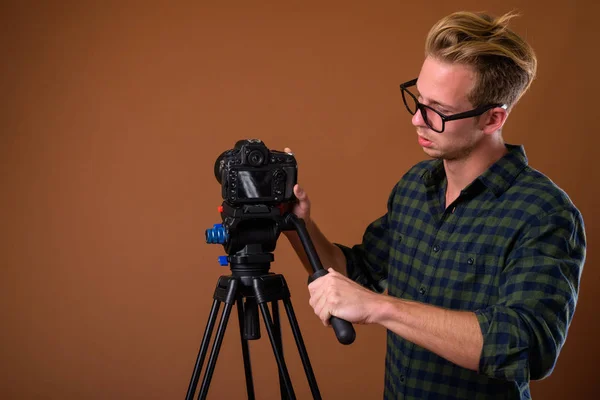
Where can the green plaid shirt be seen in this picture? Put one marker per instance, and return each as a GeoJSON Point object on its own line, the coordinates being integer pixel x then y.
{"type": "Point", "coordinates": [511, 249]}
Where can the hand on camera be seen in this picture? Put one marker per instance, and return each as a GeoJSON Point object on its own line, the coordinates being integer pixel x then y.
{"type": "Point", "coordinates": [302, 207]}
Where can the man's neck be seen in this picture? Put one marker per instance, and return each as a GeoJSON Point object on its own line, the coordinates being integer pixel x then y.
{"type": "Point", "coordinates": [461, 172]}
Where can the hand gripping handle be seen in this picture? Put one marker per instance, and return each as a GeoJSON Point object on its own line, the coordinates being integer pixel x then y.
{"type": "Point", "coordinates": [344, 331]}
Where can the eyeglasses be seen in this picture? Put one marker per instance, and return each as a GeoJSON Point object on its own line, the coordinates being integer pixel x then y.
{"type": "Point", "coordinates": [433, 118]}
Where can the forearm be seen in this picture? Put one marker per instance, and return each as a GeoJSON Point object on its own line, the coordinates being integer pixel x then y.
{"type": "Point", "coordinates": [329, 254]}
{"type": "Point", "coordinates": [453, 335]}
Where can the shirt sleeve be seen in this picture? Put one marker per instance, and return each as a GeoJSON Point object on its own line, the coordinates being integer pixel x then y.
{"type": "Point", "coordinates": [367, 262]}
{"type": "Point", "coordinates": [524, 332]}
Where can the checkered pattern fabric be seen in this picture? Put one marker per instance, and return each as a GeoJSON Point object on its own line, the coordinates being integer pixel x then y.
{"type": "Point", "coordinates": [511, 249]}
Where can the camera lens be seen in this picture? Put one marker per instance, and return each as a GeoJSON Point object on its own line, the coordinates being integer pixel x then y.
{"type": "Point", "coordinates": [255, 158]}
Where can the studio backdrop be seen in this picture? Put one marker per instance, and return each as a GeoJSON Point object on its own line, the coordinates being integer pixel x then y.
{"type": "Point", "coordinates": [112, 116]}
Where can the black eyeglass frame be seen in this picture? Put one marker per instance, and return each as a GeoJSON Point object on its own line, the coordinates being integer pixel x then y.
{"type": "Point", "coordinates": [445, 118]}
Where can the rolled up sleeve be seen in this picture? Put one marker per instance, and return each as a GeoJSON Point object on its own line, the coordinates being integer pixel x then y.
{"type": "Point", "coordinates": [524, 332]}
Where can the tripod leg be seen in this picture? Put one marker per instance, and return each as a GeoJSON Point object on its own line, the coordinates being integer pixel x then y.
{"type": "Point", "coordinates": [245, 351]}
{"type": "Point", "coordinates": [278, 354]}
{"type": "Point", "coordinates": [302, 349]}
{"type": "Point", "coordinates": [229, 294]}
{"type": "Point", "coordinates": [203, 347]}
{"type": "Point", "coordinates": [215, 352]}
{"type": "Point", "coordinates": [277, 332]}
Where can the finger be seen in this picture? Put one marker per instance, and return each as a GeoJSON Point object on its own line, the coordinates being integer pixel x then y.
{"type": "Point", "coordinates": [287, 150]}
{"type": "Point", "coordinates": [315, 292]}
{"type": "Point", "coordinates": [314, 298]}
{"type": "Point", "coordinates": [321, 310]}
{"type": "Point", "coordinates": [325, 315]}
{"type": "Point", "coordinates": [302, 198]}
{"type": "Point", "coordinates": [318, 298]}
{"type": "Point", "coordinates": [299, 192]}
{"type": "Point", "coordinates": [313, 287]}
{"type": "Point", "coordinates": [319, 303]}
{"type": "Point", "coordinates": [312, 301]}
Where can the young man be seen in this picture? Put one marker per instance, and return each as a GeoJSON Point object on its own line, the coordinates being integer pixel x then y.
{"type": "Point", "coordinates": [481, 255]}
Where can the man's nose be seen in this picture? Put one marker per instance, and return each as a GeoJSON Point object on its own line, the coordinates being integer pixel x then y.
{"type": "Point", "coordinates": [417, 118]}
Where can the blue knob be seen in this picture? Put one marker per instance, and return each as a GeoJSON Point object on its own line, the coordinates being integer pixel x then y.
{"type": "Point", "coordinates": [216, 235]}
{"type": "Point", "coordinates": [223, 261]}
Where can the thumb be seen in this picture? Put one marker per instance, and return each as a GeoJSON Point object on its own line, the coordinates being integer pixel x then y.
{"type": "Point", "coordinates": [299, 192]}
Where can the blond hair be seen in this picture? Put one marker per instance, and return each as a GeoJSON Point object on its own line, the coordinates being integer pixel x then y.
{"type": "Point", "coordinates": [505, 64]}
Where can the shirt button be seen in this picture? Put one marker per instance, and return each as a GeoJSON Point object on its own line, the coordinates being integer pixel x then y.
{"type": "Point", "coordinates": [436, 248]}
{"type": "Point", "coordinates": [422, 290]}
{"type": "Point", "coordinates": [470, 261]}
{"type": "Point", "coordinates": [401, 378]}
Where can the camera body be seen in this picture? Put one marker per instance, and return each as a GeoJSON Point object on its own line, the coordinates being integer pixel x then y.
{"type": "Point", "coordinates": [250, 173]}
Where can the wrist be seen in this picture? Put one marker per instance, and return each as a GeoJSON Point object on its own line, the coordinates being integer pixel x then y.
{"type": "Point", "coordinates": [308, 222]}
{"type": "Point", "coordinates": [380, 308]}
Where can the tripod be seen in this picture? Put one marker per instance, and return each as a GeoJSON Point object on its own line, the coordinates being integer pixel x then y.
{"type": "Point", "coordinates": [250, 287]}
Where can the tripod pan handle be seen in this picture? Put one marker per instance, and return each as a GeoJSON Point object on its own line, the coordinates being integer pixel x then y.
{"type": "Point", "coordinates": [344, 331]}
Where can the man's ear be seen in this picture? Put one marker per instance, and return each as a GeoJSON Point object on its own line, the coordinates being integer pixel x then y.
{"type": "Point", "coordinates": [493, 120]}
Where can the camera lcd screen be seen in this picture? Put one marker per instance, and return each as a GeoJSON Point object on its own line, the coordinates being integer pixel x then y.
{"type": "Point", "coordinates": [254, 184]}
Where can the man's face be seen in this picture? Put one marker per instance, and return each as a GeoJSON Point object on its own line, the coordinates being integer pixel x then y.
{"type": "Point", "coordinates": [445, 87]}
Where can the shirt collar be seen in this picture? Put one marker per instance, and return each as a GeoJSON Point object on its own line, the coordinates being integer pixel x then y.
{"type": "Point", "coordinates": [497, 178]}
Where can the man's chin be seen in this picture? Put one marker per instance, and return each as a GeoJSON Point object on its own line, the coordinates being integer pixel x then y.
{"type": "Point", "coordinates": [432, 153]}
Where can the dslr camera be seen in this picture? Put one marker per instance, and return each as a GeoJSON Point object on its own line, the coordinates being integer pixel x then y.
{"type": "Point", "coordinates": [250, 173]}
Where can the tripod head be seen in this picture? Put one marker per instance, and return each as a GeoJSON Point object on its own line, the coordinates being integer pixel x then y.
{"type": "Point", "coordinates": [249, 234]}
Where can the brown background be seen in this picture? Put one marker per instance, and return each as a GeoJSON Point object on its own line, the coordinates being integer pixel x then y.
{"type": "Point", "coordinates": [112, 115]}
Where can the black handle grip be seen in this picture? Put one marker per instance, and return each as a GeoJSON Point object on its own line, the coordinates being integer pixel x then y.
{"type": "Point", "coordinates": [344, 331]}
